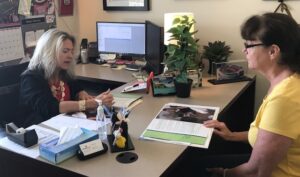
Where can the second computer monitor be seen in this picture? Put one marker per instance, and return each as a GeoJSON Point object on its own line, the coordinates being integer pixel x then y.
{"type": "Point", "coordinates": [154, 48]}
{"type": "Point", "coordinates": [122, 38]}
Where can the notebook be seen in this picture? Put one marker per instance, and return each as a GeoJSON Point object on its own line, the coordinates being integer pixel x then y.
{"type": "Point", "coordinates": [126, 100]}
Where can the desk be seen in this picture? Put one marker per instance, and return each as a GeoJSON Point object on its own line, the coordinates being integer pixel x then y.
{"type": "Point", "coordinates": [102, 74]}
{"type": "Point", "coordinates": [96, 78]}
{"type": "Point", "coordinates": [156, 158]}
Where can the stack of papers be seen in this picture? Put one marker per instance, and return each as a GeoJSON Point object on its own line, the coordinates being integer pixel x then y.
{"type": "Point", "coordinates": [62, 120]}
{"type": "Point", "coordinates": [124, 100]}
{"type": "Point", "coordinates": [182, 124]}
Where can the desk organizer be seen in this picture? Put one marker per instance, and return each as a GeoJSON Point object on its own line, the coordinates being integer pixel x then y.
{"type": "Point", "coordinates": [58, 153]}
{"type": "Point", "coordinates": [163, 85]}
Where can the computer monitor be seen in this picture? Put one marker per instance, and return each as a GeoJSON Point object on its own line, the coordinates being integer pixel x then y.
{"type": "Point", "coordinates": [154, 48]}
{"type": "Point", "coordinates": [126, 39]}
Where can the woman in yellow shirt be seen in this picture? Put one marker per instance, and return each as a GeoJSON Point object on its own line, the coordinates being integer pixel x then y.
{"type": "Point", "coordinates": [272, 47]}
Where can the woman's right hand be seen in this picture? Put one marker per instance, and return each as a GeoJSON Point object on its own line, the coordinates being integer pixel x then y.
{"type": "Point", "coordinates": [220, 129]}
{"type": "Point", "coordinates": [107, 98]}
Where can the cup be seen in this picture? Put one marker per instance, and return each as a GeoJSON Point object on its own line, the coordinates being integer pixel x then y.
{"type": "Point", "coordinates": [84, 56]}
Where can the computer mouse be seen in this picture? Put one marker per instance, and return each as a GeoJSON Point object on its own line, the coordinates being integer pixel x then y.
{"type": "Point", "coordinates": [100, 61]}
{"type": "Point", "coordinates": [113, 65]}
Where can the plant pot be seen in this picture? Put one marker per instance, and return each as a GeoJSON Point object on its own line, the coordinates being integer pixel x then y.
{"type": "Point", "coordinates": [183, 90]}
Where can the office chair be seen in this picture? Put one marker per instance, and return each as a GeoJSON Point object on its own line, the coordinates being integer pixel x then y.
{"type": "Point", "coordinates": [9, 92]}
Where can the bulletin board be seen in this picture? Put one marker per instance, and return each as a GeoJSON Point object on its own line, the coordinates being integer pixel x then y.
{"type": "Point", "coordinates": [21, 26]}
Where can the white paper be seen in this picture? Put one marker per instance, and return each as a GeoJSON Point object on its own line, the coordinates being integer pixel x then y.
{"type": "Point", "coordinates": [80, 115]}
{"type": "Point", "coordinates": [135, 87]}
{"type": "Point", "coordinates": [62, 120]}
{"type": "Point", "coordinates": [38, 34]}
{"type": "Point", "coordinates": [91, 147]}
{"type": "Point", "coordinates": [125, 100]}
{"type": "Point", "coordinates": [67, 134]}
{"type": "Point", "coordinates": [179, 127]}
{"type": "Point", "coordinates": [30, 39]}
{"type": "Point", "coordinates": [24, 7]}
{"type": "Point", "coordinates": [44, 135]}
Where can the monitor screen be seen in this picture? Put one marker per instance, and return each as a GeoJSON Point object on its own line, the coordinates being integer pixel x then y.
{"type": "Point", "coordinates": [121, 38]}
{"type": "Point", "coordinates": [154, 48]}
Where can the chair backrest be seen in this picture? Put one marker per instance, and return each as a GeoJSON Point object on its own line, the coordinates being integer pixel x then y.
{"type": "Point", "coordinates": [11, 74]}
{"type": "Point", "coordinates": [9, 91]}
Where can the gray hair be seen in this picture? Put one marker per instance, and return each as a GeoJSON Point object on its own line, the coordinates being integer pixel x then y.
{"type": "Point", "coordinates": [47, 50]}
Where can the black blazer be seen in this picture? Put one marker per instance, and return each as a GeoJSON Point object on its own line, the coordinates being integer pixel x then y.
{"type": "Point", "coordinates": [37, 103]}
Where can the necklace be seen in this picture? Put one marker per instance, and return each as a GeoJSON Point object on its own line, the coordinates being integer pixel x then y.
{"type": "Point", "coordinates": [58, 90]}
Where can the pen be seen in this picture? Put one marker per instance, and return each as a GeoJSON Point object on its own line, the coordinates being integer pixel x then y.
{"type": "Point", "coordinates": [107, 91]}
{"type": "Point", "coordinates": [130, 87]}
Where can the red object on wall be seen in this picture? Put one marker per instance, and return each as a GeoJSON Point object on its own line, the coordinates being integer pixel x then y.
{"type": "Point", "coordinates": [66, 7]}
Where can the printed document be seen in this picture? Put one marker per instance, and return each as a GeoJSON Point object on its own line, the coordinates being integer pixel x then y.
{"type": "Point", "coordinates": [182, 124]}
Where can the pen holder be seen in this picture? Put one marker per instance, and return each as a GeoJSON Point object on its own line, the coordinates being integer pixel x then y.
{"type": "Point", "coordinates": [111, 138]}
{"type": "Point", "coordinates": [24, 138]}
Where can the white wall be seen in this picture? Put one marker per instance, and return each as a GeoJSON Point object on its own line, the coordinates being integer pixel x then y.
{"type": "Point", "coordinates": [216, 20]}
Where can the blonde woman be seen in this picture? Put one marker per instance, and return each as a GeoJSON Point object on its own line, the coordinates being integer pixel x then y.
{"type": "Point", "coordinates": [48, 87]}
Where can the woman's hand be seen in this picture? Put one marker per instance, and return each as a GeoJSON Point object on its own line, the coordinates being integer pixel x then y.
{"type": "Point", "coordinates": [220, 129]}
{"type": "Point", "coordinates": [107, 98]}
{"type": "Point", "coordinates": [83, 95]}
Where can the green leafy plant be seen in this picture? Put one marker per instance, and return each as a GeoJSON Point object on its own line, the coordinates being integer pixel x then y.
{"type": "Point", "coordinates": [182, 55]}
{"type": "Point", "coordinates": [216, 51]}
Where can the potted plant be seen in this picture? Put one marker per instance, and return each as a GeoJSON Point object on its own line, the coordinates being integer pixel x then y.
{"type": "Point", "coordinates": [183, 54]}
{"type": "Point", "coordinates": [216, 52]}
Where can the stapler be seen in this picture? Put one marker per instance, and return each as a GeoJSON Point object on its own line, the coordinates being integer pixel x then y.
{"type": "Point", "coordinates": [21, 136]}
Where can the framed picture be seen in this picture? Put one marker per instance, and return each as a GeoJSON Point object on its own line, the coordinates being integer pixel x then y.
{"type": "Point", "coordinates": [126, 5]}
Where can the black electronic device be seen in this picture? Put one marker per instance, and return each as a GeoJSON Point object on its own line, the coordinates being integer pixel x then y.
{"type": "Point", "coordinates": [84, 43]}
{"type": "Point", "coordinates": [83, 57]}
{"type": "Point", "coordinates": [154, 48]}
{"type": "Point", "coordinates": [126, 39]}
{"type": "Point", "coordinates": [93, 51]}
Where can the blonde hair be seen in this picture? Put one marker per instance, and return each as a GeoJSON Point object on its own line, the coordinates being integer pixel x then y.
{"type": "Point", "coordinates": [47, 50]}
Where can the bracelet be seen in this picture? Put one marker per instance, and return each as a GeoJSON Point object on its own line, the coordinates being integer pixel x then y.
{"type": "Point", "coordinates": [224, 172]}
{"type": "Point", "coordinates": [81, 105]}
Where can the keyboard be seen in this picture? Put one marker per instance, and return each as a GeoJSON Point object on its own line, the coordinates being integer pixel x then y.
{"type": "Point", "coordinates": [133, 67]}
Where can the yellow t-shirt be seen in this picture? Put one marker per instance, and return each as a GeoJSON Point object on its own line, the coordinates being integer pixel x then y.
{"type": "Point", "coordinates": [280, 114]}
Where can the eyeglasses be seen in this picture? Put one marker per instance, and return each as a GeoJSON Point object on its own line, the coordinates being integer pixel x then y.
{"type": "Point", "coordinates": [252, 45]}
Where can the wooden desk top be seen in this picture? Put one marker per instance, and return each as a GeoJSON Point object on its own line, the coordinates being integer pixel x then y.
{"type": "Point", "coordinates": [153, 157]}
{"type": "Point", "coordinates": [98, 73]}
